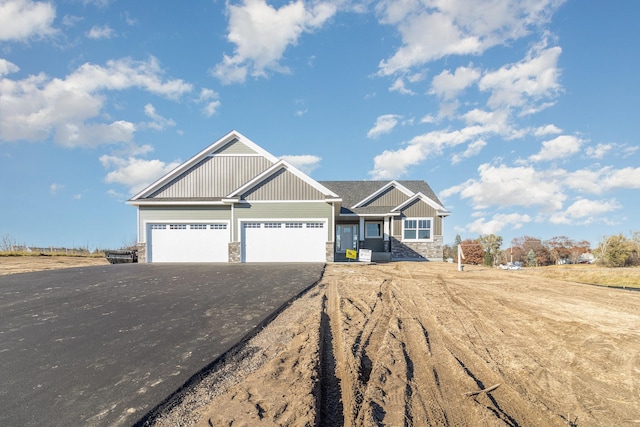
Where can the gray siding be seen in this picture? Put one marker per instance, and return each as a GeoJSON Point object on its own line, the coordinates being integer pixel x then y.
{"type": "Point", "coordinates": [418, 209]}
{"type": "Point", "coordinates": [316, 210]}
{"type": "Point", "coordinates": [283, 185]}
{"type": "Point", "coordinates": [181, 213]}
{"type": "Point", "coordinates": [391, 197]}
{"type": "Point", "coordinates": [235, 147]}
{"type": "Point", "coordinates": [214, 177]}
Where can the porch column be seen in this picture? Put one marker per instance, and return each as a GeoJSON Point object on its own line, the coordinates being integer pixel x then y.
{"type": "Point", "coordinates": [386, 234]}
{"type": "Point", "coordinates": [361, 233]}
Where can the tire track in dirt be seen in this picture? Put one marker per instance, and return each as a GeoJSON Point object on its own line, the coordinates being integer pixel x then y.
{"type": "Point", "coordinates": [409, 344]}
{"type": "Point", "coordinates": [403, 368]}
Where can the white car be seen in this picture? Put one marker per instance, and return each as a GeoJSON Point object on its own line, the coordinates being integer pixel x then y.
{"type": "Point", "coordinates": [512, 266]}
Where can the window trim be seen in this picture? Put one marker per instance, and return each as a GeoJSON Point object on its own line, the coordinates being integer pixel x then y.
{"type": "Point", "coordinates": [381, 230]}
{"type": "Point", "coordinates": [417, 228]}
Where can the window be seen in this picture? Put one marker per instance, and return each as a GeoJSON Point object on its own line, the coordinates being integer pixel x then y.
{"type": "Point", "coordinates": [251, 225]}
{"type": "Point", "coordinates": [272, 225]}
{"type": "Point", "coordinates": [293, 225]}
{"type": "Point", "coordinates": [416, 229]}
{"type": "Point", "coordinates": [177, 226]}
{"type": "Point", "coordinates": [218, 226]}
{"type": "Point", "coordinates": [315, 225]}
{"type": "Point", "coordinates": [158, 226]}
{"type": "Point", "coordinates": [198, 226]}
{"type": "Point", "coordinates": [373, 230]}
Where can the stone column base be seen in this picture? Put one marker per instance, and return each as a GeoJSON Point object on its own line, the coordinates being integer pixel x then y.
{"type": "Point", "coordinates": [234, 252]}
{"type": "Point", "coordinates": [142, 252]}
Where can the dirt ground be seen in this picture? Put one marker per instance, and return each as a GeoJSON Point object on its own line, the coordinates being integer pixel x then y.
{"type": "Point", "coordinates": [23, 264]}
{"type": "Point", "coordinates": [421, 344]}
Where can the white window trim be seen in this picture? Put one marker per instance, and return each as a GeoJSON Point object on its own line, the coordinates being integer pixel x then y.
{"type": "Point", "coordinates": [381, 229]}
{"type": "Point", "coordinates": [418, 219]}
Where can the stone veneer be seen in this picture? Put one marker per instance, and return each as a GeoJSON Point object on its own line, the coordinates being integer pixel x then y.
{"type": "Point", "coordinates": [329, 251]}
{"type": "Point", "coordinates": [417, 250]}
{"type": "Point", "coordinates": [142, 252]}
{"type": "Point", "coordinates": [234, 252]}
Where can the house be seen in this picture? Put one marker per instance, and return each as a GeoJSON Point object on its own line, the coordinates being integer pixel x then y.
{"type": "Point", "coordinates": [235, 202]}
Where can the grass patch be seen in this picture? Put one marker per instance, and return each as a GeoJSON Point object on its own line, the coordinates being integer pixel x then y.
{"type": "Point", "coordinates": [54, 253]}
{"type": "Point", "coordinates": [628, 277]}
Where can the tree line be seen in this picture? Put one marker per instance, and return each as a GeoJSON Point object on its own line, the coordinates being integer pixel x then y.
{"type": "Point", "coordinates": [612, 251]}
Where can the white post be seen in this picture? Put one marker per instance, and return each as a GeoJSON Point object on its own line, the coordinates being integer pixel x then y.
{"type": "Point", "coordinates": [460, 257]}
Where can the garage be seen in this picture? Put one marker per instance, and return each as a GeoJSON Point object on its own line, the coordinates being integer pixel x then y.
{"type": "Point", "coordinates": [284, 241]}
{"type": "Point", "coordinates": [193, 242]}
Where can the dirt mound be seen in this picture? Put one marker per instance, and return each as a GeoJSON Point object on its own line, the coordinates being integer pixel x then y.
{"type": "Point", "coordinates": [421, 344]}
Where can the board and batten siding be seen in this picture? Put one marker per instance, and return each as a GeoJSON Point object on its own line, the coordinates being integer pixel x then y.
{"type": "Point", "coordinates": [284, 210]}
{"type": "Point", "coordinates": [235, 147]}
{"type": "Point", "coordinates": [180, 214]}
{"type": "Point", "coordinates": [214, 177]}
{"type": "Point", "coordinates": [391, 197]}
{"type": "Point", "coordinates": [283, 185]}
{"type": "Point", "coordinates": [418, 209]}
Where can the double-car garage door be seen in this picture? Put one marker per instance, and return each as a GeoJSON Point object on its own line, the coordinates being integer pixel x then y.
{"type": "Point", "coordinates": [261, 241]}
{"type": "Point", "coordinates": [197, 242]}
{"type": "Point", "coordinates": [283, 241]}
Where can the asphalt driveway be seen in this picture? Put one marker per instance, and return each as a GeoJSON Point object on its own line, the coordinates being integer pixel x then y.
{"type": "Point", "coordinates": [104, 345]}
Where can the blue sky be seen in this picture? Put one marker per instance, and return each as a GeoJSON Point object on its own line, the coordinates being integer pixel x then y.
{"type": "Point", "coordinates": [520, 114]}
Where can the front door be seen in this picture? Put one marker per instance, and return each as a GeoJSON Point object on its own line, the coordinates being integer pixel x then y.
{"type": "Point", "coordinates": [346, 237]}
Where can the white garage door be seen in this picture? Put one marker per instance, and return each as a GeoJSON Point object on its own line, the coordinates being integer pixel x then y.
{"type": "Point", "coordinates": [188, 242]}
{"type": "Point", "coordinates": [284, 241]}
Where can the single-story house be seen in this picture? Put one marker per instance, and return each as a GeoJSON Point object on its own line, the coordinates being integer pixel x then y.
{"type": "Point", "coordinates": [235, 202]}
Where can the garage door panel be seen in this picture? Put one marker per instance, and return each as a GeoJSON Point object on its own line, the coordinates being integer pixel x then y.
{"type": "Point", "coordinates": [284, 241]}
{"type": "Point", "coordinates": [188, 242]}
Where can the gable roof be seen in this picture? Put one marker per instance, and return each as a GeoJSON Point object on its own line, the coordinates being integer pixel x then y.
{"type": "Point", "coordinates": [233, 143]}
{"type": "Point", "coordinates": [356, 194]}
{"type": "Point", "coordinates": [281, 165]}
{"type": "Point", "coordinates": [419, 196]}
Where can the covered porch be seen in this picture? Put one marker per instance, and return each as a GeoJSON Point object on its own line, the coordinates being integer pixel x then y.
{"type": "Point", "coordinates": [364, 232]}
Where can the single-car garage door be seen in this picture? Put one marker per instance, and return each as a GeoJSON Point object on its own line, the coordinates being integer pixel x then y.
{"type": "Point", "coordinates": [196, 242]}
{"type": "Point", "coordinates": [284, 241]}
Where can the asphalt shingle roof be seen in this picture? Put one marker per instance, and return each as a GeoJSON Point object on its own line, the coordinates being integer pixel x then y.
{"type": "Point", "coordinates": [353, 192]}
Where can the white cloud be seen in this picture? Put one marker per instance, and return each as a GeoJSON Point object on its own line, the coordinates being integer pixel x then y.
{"type": "Point", "coordinates": [547, 130]}
{"type": "Point", "coordinates": [54, 188]}
{"type": "Point", "coordinates": [428, 119]}
{"type": "Point", "coordinates": [71, 20]}
{"type": "Point", "coordinates": [447, 86]}
{"type": "Point", "coordinates": [524, 84]}
{"type": "Point", "coordinates": [384, 124]}
{"type": "Point", "coordinates": [584, 211]}
{"type": "Point", "coordinates": [306, 162]}
{"type": "Point", "coordinates": [512, 186]}
{"type": "Point", "coordinates": [399, 86]}
{"type": "Point", "coordinates": [262, 33]}
{"type": "Point", "coordinates": [611, 179]}
{"type": "Point", "coordinates": [134, 173]}
{"type": "Point", "coordinates": [599, 150]}
{"type": "Point", "coordinates": [209, 98]}
{"type": "Point", "coordinates": [159, 123]}
{"type": "Point", "coordinates": [23, 19]}
{"type": "Point", "coordinates": [497, 223]}
{"type": "Point", "coordinates": [38, 106]}
{"type": "Point", "coordinates": [433, 30]}
{"type": "Point", "coordinates": [473, 149]}
{"type": "Point", "coordinates": [93, 134]}
{"type": "Point", "coordinates": [7, 67]}
{"type": "Point", "coordinates": [101, 32]}
{"type": "Point", "coordinates": [558, 148]}
{"type": "Point", "coordinates": [392, 164]}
